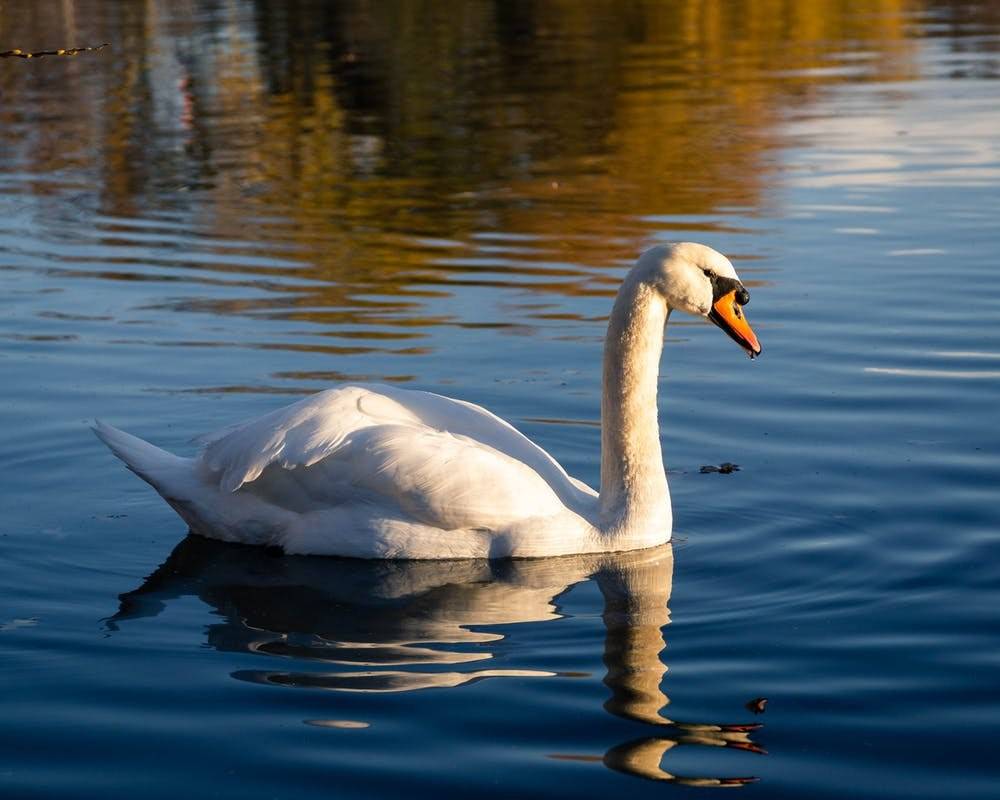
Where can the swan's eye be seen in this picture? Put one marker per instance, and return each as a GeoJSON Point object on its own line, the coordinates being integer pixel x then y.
{"type": "Point", "coordinates": [708, 273]}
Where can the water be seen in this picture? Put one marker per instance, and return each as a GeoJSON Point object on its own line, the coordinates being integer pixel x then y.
{"type": "Point", "coordinates": [238, 203]}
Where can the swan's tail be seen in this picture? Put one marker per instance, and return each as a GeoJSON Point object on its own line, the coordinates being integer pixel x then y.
{"type": "Point", "coordinates": [157, 467]}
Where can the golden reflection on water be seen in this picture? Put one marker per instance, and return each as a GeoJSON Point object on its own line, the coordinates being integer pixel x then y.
{"type": "Point", "coordinates": [390, 626]}
{"type": "Point", "coordinates": [398, 149]}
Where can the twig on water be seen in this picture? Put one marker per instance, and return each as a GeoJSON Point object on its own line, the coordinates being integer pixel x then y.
{"type": "Point", "coordinates": [64, 51]}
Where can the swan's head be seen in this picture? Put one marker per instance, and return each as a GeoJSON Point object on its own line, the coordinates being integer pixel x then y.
{"type": "Point", "coordinates": [701, 281]}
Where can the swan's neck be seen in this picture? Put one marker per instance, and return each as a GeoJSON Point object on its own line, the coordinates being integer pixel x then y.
{"type": "Point", "coordinates": [633, 481]}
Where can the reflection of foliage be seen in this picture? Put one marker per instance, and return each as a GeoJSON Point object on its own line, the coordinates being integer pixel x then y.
{"type": "Point", "coordinates": [497, 109]}
{"type": "Point", "coordinates": [374, 143]}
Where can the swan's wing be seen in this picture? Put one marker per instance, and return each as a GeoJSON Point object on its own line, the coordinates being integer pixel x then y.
{"type": "Point", "coordinates": [475, 422]}
{"type": "Point", "coordinates": [298, 435]}
{"type": "Point", "coordinates": [320, 426]}
{"type": "Point", "coordinates": [407, 474]}
{"type": "Point", "coordinates": [435, 478]}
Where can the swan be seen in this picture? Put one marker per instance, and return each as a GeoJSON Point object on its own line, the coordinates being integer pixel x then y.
{"type": "Point", "coordinates": [371, 471]}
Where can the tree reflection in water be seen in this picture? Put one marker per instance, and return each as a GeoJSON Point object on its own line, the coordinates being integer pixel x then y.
{"type": "Point", "coordinates": [384, 622]}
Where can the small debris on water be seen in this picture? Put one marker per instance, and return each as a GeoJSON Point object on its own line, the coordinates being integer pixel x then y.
{"type": "Point", "coordinates": [725, 468]}
{"type": "Point", "coordinates": [14, 624]}
{"type": "Point", "coordinates": [757, 705]}
{"type": "Point", "coordinates": [344, 724]}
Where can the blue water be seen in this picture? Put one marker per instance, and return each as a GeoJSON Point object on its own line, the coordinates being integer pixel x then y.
{"type": "Point", "coordinates": [238, 203]}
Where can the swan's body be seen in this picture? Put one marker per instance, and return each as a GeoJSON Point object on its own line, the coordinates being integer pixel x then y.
{"type": "Point", "coordinates": [382, 472]}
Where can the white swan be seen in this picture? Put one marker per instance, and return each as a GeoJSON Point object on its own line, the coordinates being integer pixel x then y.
{"type": "Point", "coordinates": [381, 472]}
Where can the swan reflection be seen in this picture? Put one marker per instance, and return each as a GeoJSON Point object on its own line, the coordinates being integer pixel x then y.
{"type": "Point", "coordinates": [381, 623]}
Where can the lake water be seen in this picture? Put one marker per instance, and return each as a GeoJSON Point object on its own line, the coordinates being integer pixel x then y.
{"type": "Point", "coordinates": [238, 203]}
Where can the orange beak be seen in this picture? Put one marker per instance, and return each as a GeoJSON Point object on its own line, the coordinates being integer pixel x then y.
{"type": "Point", "coordinates": [728, 315]}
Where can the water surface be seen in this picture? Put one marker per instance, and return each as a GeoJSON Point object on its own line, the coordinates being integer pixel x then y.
{"type": "Point", "coordinates": [239, 203]}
